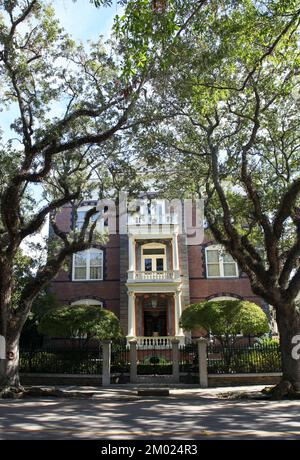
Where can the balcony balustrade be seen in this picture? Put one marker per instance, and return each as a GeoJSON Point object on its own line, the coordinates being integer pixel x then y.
{"type": "Point", "coordinates": [168, 275]}
{"type": "Point", "coordinates": [152, 219]}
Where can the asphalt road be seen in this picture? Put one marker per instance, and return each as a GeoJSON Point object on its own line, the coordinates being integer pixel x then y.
{"type": "Point", "coordinates": [153, 418]}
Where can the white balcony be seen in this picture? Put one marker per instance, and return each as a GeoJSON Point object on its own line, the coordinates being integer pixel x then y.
{"type": "Point", "coordinates": [165, 276]}
{"type": "Point", "coordinates": [157, 342]}
{"type": "Point", "coordinates": [152, 219]}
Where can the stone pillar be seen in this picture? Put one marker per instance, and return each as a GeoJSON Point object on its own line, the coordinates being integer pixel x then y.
{"type": "Point", "coordinates": [177, 313]}
{"type": "Point", "coordinates": [133, 360]}
{"type": "Point", "coordinates": [202, 355]}
{"type": "Point", "coordinates": [131, 314]}
{"type": "Point", "coordinates": [175, 359]}
{"type": "Point", "coordinates": [175, 253]}
{"type": "Point", "coordinates": [106, 359]}
{"type": "Point", "coordinates": [131, 253]}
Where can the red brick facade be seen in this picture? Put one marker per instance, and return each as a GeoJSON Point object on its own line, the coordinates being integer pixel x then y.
{"type": "Point", "coordinates": [112, 290]}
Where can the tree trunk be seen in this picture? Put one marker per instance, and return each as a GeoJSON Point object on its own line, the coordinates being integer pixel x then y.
{"type": "Point", "coordinates": [289, 328]}
{"type": "Point", "coordinates": [9, 370]}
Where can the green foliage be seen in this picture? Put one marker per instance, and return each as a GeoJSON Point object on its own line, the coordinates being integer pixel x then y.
{"type": "Point", "coordinates": [263, 359]}
{"type": "Point", "coordinates": [23, 267]}
{"type": "Point", "coordinates": [80, 321]}
{"type": "Point", "coordinates": [226, 318]}
{"type": "Point", "coordinates": [266, 341]}
{"type": "Point", "coordinates": [60, 362]}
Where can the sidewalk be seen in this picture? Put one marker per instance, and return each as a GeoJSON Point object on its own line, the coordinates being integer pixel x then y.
{"type": "Point", "coordinates": [130, 391]}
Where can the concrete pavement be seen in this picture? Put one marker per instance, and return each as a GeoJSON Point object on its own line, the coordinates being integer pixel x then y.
{"type": "Point", "coordinates": [114, 413]}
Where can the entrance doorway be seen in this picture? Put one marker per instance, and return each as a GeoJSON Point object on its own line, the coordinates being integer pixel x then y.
{"type": "Point", "coordinates": [155, 323]}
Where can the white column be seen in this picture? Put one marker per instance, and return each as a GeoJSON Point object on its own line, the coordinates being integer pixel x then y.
{"type": "Point", "coordinates": [175, 252]}
{"type": "Point", "coordinates": [177, 312]}
{"type": "Point", "coordinates": [131, 253]}
{"type": "Point", "coordinates": [131, 314]}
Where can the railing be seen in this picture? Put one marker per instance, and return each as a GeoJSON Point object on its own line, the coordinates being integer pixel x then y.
{"type": "Point", "coordinates": [61, 361]}
{"type": "Point", "coordinates": [154, 276]}
{"type": "Point", "coordinates": [243, 359]}
{"type": "Point", "coordinates": [154, 342]}
{"type": "Point", "coordinates": [152, 219]}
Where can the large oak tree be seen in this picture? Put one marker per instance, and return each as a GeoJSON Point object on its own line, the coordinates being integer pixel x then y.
{"type": "Point", "coordinates": [233, 80]}
{"type": "Point", "coordinates": [66, 106]}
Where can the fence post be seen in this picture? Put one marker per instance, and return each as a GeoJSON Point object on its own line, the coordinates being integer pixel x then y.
{"type": "Point", "coordinates": [106, 359]}
{"type": "Point", "coordinates": [202, 355]}
{"type": "Point", "coordinates": [133, 360]}
{"type": "Point", "coordinates": [175, 360]}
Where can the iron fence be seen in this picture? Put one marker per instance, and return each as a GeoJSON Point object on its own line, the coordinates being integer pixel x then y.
{"type": "Point", "coordinates": [243, 359]}
{"type": "Point", "coordinates": [120, 357]}
{"type": "Point", "coordinates": [61, 361]}
{"type": "Point", "coordinates": [154, 360]}
{"type": "Point", "coordinates": [188, 358]}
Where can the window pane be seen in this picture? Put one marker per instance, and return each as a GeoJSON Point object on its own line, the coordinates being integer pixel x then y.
{"type": "Point", "coordinates": [159, 265]}
{"type": "Point", "coordinates": [228, 258]}
{"type": "Point", "coordinates": [213, 269]}
{"type": "Point", "coordinates": [148, 265]}
{"type": "Point", "coordinates": [95, 273]}
{"type": "Point", "coordinates": [80, 259]}
{"type": "Point", "coordinates": [230, 269]}
{"type": "Point", "coordinates": [95, 259]}
{"type": "Point", "coordinates": [80, 273]}
{"type": "Point", "coordinates": [212, 255]}
{"type": "Point", "coordinates": [95, 217]}
{"type": "Point", "coordinates": [80, 218]}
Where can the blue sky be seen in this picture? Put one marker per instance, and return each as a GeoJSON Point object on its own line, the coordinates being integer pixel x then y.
{"type": "Point", "coordinates": [84, 22]}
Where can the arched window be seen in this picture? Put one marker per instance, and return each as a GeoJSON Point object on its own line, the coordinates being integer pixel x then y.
{"type": "Point", "coordinates": [153, 257]}
{"type": "Point", "coordinates": [88, 265]}
{"type": "Point", "coordinates": [220, 264]}
{"type": "Point", "coordinates": [88, 302]}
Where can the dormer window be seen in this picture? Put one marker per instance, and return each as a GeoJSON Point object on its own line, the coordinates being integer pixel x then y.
{"type": "Point", "coordinates": [220, 264]}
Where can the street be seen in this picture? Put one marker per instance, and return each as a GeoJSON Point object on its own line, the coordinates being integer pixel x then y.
{"type": "Point", "coordinates": [153, 418]}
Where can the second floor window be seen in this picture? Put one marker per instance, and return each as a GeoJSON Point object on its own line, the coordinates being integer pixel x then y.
{"type": "Point", "coordinates": [153, 257]}
{"type": "Point", "coordinates": [220, 264]}
{"type": "Point", "coordinates": [81, 216]}
{"type": "Point", "coordinates": [88, 265]}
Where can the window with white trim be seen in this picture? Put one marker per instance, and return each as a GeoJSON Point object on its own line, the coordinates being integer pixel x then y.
{"type": "Point", "coordinates": [81, 213]}
{"type": "Point", "coordinates": [220, 264]}
{"type": "Point", "coordinates": [153, 257]}
{"type": "Point", "coordinates": [88, 265]}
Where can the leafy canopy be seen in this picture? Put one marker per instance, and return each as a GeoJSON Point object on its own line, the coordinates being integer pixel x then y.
{"type": "Point", "coordinates": [80, 321]}
{"type": "Point", "coordinates": [226, 317]}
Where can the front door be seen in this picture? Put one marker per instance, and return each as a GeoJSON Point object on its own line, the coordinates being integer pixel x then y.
{"type": "Point", "coordinates": [155, 323]}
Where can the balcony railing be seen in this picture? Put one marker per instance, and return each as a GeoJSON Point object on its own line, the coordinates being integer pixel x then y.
{"type": "Point", "coordinates": [152, 219]}
{"type": "Point", "coordinates": [168, 275]}
{"type": "Point", "coordinates": [157, 342]}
